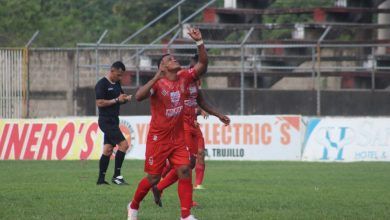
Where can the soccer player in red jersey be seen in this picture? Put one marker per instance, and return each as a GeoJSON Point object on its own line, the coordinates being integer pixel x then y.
{"type": "Point", "coordinates": [165, 140]}
{"type": "Point", "coordinates": [192, 133]}
{"type": "Point", "coordinates": [199, 140]}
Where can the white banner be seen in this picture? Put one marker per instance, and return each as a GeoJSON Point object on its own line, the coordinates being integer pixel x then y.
{"type": "Point", "coordinates": [347, 139]}
{"type": "Point", "coordinates": [247, 138]}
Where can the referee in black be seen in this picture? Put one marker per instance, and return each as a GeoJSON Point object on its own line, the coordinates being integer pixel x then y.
{"type": "Point", "coordinates": [109, 97]}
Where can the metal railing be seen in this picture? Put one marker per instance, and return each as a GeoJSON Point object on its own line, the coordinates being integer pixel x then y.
{"type": "Point", "coordinates": [13, 77]}
{"type": "Point", "coordinates": [250, 60]}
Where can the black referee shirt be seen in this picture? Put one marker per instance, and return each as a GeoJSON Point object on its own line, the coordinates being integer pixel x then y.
{"type": "Point", "coordinates": [104, 89]}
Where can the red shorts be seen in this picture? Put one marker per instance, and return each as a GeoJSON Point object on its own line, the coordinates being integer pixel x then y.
{"type": "Point", "coordinates": [157, 154]}
{"type": "Point", "coordinates": [194, 140]}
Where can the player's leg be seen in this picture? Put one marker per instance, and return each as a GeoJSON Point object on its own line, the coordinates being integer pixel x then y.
{"type": "Point", "coordinates": [200, 163]}
{"type": "Point", "coordinates": [120, 154]}
{"type": "Point", "coordinates": [169, 179]}
{"type": "Point", "coordinates": [180, 158]}
{"type": "Point", "coordinates": [104, 161]}
{"type": "Point", "coordinates": [166, 169]}
{"type": "Point", "coordinates": [142, 190]}
{"type": "Point", "coordinates": [104, 124]}
{"type": "Point", "coordinates": [115, 135]}
{"type": "Point", "coordinates": [155, 159]}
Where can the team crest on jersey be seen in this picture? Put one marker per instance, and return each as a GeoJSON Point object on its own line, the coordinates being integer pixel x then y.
{"type": "Point", "coordinates": [175, 97]}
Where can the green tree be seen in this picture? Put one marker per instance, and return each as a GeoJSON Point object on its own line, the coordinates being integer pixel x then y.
{"type": "Point", "coordinates": [66, 22]}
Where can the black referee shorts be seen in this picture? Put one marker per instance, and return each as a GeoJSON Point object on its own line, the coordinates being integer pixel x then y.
{"type": "Point", "coordinates": [110, 128]}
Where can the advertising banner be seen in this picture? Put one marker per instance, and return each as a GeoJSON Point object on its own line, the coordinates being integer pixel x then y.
{"type": "Point", "coordinates": [253, 138]}
{"type": "Point", "coordinates": [247, 138]}
{"type": "Point", "coordinates": [347, 139]}
{"type": "Point", "coordinates": [50, 139]}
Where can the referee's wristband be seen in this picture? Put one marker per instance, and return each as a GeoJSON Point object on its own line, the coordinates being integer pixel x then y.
{"type": "Point", "coordinates": [199, 42]}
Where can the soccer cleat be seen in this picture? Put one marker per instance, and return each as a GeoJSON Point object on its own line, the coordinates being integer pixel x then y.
{"type": "Point", "coordinates": [199, 187]}
{"type": "Point", "coordinates": [190, 217]}
{"type": "Point", "coordinates": [102, 182]}
{"type": "Point", "coordinates": [132, 214]}
{"type": "Point", "coordinates": [156, 195]}
{"type": "Point", "coordinates": [119, 180]}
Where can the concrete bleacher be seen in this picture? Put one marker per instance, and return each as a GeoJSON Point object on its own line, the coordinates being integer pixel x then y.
{"type": "Point", "coordinates": [352, 18]}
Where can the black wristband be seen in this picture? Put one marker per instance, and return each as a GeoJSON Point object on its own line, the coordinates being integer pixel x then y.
{"type": "Point", "coordinates": [116, 100]}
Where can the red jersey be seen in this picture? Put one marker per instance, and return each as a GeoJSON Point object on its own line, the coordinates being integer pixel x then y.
{"type": "Point", "coordinates": [167, 107]}
{"type": "Point", "coordinates": [190, 105]}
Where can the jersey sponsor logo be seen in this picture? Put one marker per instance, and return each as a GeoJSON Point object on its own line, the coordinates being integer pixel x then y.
{"type": "Point", "coordinates": [110, 89]}
{"type": "Point", "coordinates": [175, 97]}
{"type": "Point", "coordinates": [192, 89]}
{"type": "Point", "coordinates": [190, 103]}
{"type": "Point", "coordinates": [172, 112]}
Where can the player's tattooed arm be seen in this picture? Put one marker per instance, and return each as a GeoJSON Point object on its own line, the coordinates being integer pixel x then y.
{"type": "Point", "coordinates": [144, 91]}
{"type": "Point", "coordinates": [202, 103]}
{"type": "Point", "coordinates": [201, 66]}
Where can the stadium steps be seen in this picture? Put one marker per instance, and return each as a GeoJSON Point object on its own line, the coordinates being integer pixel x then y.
{"type": "Point", "coordinates": [320, 14]}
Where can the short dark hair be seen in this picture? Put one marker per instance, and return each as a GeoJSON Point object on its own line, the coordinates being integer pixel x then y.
{"type": "Point", "coordinates": [195, 57]}
{"type": "Point", "coordinates": [160, 60]}
{"type": "Point", "coordinates": [118, 65]}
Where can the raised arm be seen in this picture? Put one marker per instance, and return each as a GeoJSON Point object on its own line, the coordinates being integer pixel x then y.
{"type": "Point", "coordinates": [201, 66]}
{"type": "Point", "coordinates": [202, 103]}
{"type": "Point", "coordinates": [144, 91]}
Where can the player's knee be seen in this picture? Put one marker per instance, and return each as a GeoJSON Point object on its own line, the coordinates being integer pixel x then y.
{"type": "Point", "coordinates": [108, 152]}
{"type": "Point", "coordinates": [153, 179]}
{"type": "Point", "coordinates": [201, 153]}
{"type": "Point", "coordinates": [183, 172]}
{"type": "Point", "coordinates": [123, 146]}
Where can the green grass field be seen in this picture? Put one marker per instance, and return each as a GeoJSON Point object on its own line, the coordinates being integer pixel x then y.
{"type": "Point", "coordinates": [235, 190]}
